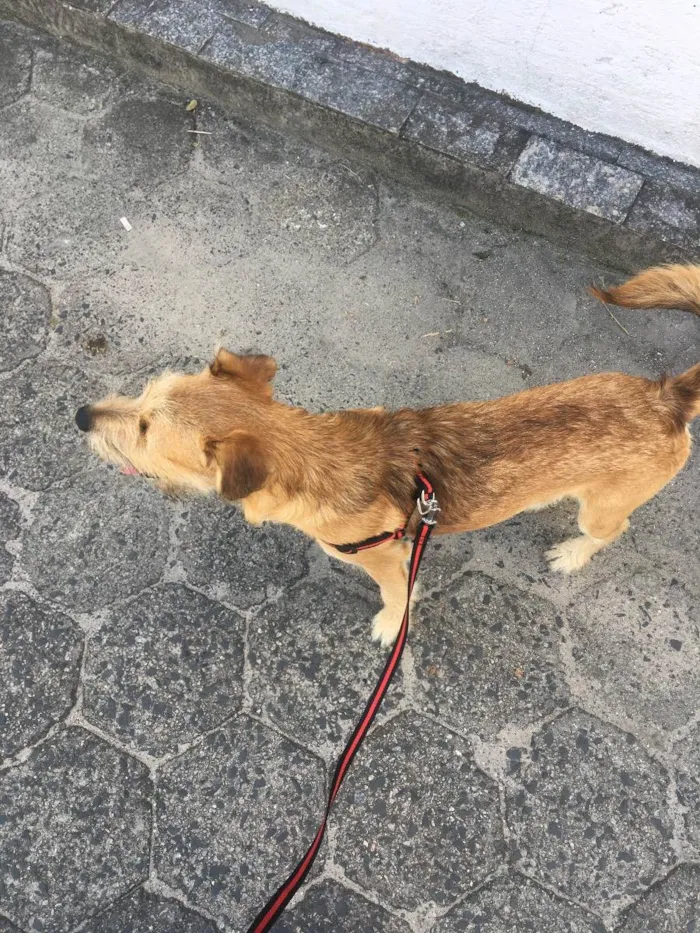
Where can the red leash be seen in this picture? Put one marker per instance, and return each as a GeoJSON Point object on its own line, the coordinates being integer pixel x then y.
{"type": "Point", "coordinates": [427, 508]}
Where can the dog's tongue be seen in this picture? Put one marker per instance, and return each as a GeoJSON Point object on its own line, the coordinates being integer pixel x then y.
{"type": "Point", "coordinates": [129, 470]}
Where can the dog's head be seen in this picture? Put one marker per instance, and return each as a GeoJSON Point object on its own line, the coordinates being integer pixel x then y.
{"type": "Point", "coordinates": [203, 432]}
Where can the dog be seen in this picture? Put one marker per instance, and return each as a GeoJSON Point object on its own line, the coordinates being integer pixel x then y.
{"type": "Point", "coordinates": [610, 441]}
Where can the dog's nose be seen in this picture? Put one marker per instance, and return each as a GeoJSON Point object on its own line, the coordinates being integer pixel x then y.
{"type": "Point", "coordinates": [82, 418]}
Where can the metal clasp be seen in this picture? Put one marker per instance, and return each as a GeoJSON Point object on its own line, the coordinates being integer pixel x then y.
{"type": "Point", "coordinates": [428, 508]}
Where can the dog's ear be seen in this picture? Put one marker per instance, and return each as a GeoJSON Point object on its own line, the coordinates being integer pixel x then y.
{"type": "Point", "coordinates": [241, 464]}
{"type": "Point", "coordinates": [255, 367]}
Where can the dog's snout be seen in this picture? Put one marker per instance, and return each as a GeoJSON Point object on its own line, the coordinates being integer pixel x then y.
{"type": "Point", "coordinates": [83, 418]}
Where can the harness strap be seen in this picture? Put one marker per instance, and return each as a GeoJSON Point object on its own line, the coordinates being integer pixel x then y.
{"type": "Point", "coordinates": [426, 498]}
{"type": "Point", "coordinates": [427, 507]}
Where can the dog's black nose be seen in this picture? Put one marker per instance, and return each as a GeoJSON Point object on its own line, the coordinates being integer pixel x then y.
{"type": "Point", "coordinates": [82, 418]}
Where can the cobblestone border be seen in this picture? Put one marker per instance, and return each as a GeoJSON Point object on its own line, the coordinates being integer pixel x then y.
{"type": "Point", "coordinates": [477, 149]}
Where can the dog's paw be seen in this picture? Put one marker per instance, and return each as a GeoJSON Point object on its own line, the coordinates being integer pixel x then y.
{"type": "Point", "coordinates": [385, 627]}
{"type": "Point", "coordinates": [570, 555]}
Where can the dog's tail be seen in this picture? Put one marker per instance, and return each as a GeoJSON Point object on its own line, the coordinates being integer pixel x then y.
{"type": "Point", "coordinates": [665, 287]}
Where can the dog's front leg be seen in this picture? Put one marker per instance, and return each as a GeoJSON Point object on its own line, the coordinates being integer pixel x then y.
{"type": "Point", "coordinates": [386, 564]}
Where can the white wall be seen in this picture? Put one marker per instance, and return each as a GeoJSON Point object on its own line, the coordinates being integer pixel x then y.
{"type": "Point", "coordinates": [630, 68]}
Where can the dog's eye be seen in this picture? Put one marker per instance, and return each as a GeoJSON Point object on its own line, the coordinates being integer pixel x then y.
{"type": "Point", "coordinates": [143, 426]}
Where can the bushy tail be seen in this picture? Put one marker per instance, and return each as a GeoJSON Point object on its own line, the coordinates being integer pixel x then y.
{"type": "Point", "coordinates": [665, 287]}
{"type": "Point", "coordinates": [659, 287]}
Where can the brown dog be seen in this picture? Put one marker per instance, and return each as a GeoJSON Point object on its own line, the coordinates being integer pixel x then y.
{"type": "Point", "coordinates": [611, 441]}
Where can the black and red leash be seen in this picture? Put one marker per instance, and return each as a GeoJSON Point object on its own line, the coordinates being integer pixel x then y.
{"type": "Point", "coordinates": [428, 508]}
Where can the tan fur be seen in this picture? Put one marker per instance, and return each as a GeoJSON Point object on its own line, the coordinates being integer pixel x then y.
{"type": "Point", "coordinates": [610, 441]}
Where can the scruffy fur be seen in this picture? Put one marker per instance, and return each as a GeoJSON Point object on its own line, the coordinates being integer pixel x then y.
{"type": "Point", "coordinates": [610, 441]}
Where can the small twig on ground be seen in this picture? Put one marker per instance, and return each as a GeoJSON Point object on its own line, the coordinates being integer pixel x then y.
{"type": "Point", "coordinates": [621, 326]}
{"type": "Point", "coordinates": [453, 300]}
{"type": "Point", "coordinates": [201, 132]}
{"type": "Point", "coordinates": [436, 333]}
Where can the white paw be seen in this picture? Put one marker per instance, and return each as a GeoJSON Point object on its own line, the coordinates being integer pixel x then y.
{"type": "Point", "coordinates": [570, 555]}
{"type": "Point", "coordinates": [386, 627]}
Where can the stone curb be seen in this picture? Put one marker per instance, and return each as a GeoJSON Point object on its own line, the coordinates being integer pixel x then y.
{"type": "Point", "coordinates": [473, 148]}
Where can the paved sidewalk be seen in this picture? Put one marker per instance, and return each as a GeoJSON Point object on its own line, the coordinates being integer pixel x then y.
{"type": "Point", "coordinates": [175, 686]}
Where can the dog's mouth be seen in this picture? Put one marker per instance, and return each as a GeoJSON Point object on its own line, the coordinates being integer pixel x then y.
{"type": "Point", "coordinates": [130, 470]}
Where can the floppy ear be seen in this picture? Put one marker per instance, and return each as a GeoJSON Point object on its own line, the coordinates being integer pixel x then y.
{"type": "Point", "coordinates": [241, 464]}
{"type": "Point", "coordinates": [254, 366]}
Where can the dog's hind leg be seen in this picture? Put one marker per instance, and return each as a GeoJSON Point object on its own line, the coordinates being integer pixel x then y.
{"type": "Point", "coordinates": [602, 518]}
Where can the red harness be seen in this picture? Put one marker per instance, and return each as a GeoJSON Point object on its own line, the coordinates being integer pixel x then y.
{"type": "Point", "coordinates": [428, 508]}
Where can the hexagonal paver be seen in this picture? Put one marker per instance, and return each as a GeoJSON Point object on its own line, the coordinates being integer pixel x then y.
{"type": "Point", "coordinates": [74, 831]}
{"type": "Point", "coordinates": [221, 552]}
{"type": "Point", "coordinates": [234, 815]}
{"type": "Point", "coordinates": [15, 65]}
{"type": "Point", "coordinates": [35, 140]}
{"type": "Point", "coordinates": [517, 904]}
{"type": "Point", "coordinates": [636, 642]}
{"type": "Point", "coordinates": [62, 231]}
{"type": "Point", "coordinates": [164, 668]}
{"type": "Point", "coordinates": [39, 443]}
{"type": "Point", "coordinates": [589, 813]}
{"type": "Point", "coordinates": [142, 912]}
{"type": "Point", "coordinates": [313, 664]}
{"type": "Point", "coordinates": [688, 781]}
{"type": "Point", "coordinates": [26, 314]}
{"type": "Point", "coordinates": [672, 906]}
{"type": "Point", "coordinates": [139, 142]}
{"type": "Point", "coordinates": [39, 662]}
{"type": "Point", "coordinates": [416, 820]}
{"type": "Point", "coordinates": [487, 655]}
{"type": "Point", "coordinates": [74, 80]}
{"type": "Point", "coordinates": [330, 907]}
{"type": "Point", "coordinates": [10, 528]}
{"type": "Point", "coordinates": [97, 538]}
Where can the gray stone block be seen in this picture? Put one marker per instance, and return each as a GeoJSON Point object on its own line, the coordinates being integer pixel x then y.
{"type": "Point", "coordinates": [588, 813]}
{"type": "Point", "coordinates": [141, 912]}
{"type": "Point", "coordinates": [26, 315]}
{"type": "Point", "coordinates": [164, 669]}
{"type": "Point", "coordinates": [636, 644]}
{"type": "Point", "coordinates": [380, 61]}
{"type": "Point", "coordinates": [453, 130]}
{"type": "Point", "coordinates": [39, 665]}
{"type": "Point", "coordinates": [665, 171]}
{"type": "Point", "coordinates": [15, 66]}
{"type": "Point", "coordinates": [669, 213]}
{"type": "Point", "coordinates": [10, 528]}
{"type": "Point", "coordinates": [417, 822]}
{"type": "Point", "coordinates": [97, 539]}
{"type": "Point", "coordinates": [578, 180]}
{"type": "Point", "coordinates": [330, 907]}
{"type": "Point", "coordinates": [516, 904]}
{"type": "Point", "coordinates": [221, 552]}
{"type": "Point", "coordinates": [39, 444]}
{"type": "Point", "coordinates": [188, 23]}
{"type": "Point", "coordinates": [276, 54]}
{"type": "Point", "coordinates": [360, 94]}
{"type": "Point", "coordinates": [300, 61]}
{"type": "Point", "coordinates": [672, 905]}
{"type": "Point", "coordinates": [312, 662]}
{"type": "Point", "coordinates": [74, 833]}
{"type": "Point", "coordinates": [234, 815]}
{"type": "Point", "coordinates": [487, 655]}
